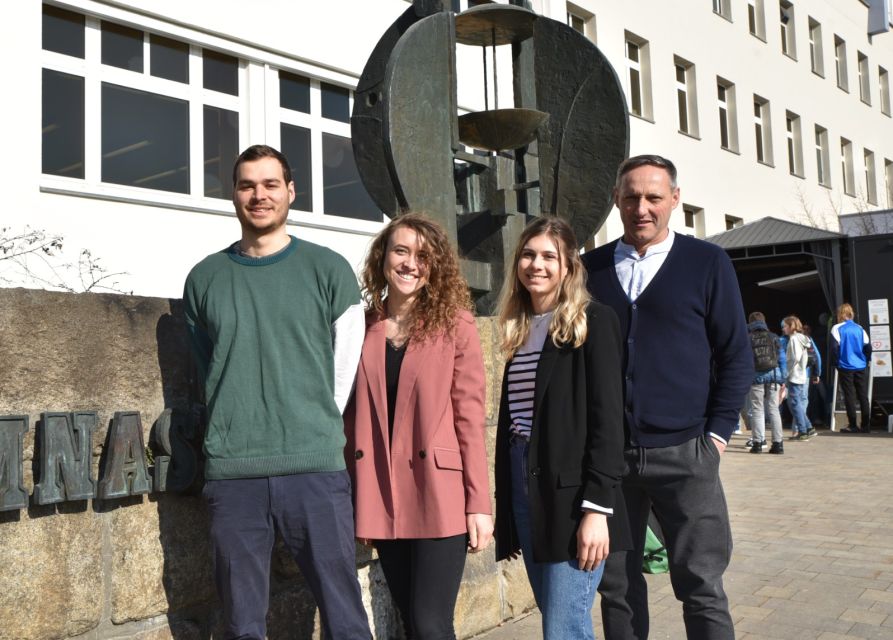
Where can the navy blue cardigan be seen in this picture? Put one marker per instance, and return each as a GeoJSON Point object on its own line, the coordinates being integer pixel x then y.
{"type": "Point", "coordinates": [687, 358]}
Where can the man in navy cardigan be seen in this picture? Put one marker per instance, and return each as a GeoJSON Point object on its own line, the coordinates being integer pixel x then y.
{"type": "Point", "coordinates": [687, 369]}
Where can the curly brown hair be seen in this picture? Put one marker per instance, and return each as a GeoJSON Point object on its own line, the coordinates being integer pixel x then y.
{"type": "Point", "coordinates": [446, 293]}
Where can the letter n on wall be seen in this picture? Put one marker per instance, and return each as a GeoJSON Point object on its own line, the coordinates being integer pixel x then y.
{"type": "Point", "coordinates": [66, 456]}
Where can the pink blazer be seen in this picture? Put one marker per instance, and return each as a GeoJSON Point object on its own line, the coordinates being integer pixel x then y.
{"type": "Point", "coordinates": [421, 484]}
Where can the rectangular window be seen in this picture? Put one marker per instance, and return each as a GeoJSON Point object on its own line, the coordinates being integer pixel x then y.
{"type": "Point", "coordinates": [762, 130]}
{"type": "Point", "coordinates": [343, 193]}
{"type": "Point", "coordinates": [581, 21]}
{"type": "Point", "coordinates": [756, 19]}
{"type": "Point", "coordinates": [846, 167]}
{"type": "Point", "coordinates": [884, 90]}
{"type": "Point", "coordinates": [733, 222]}
{"type": "Point", "coordinates": [795, 144]}
{"type": "Point", "coordinates": [221, 130]}
{"type": "Point", "coordinates": [294, 142]}
{"type": "Point", "coordinates": [864, 78]}
{"type": "Point", "coordinates": [870, 177]}
{"type": "Point", "coordinates": [694, 220]}
{"type": "Point", "coordinates": [822, 157]}
{"type": "Point", "coordinates": [840, 63]}
{"type": "Point", "coordinates": [63, 31]}
{"type": "Point", "coordinates": [816, 59]}
{"type": "Point", "coordinates": [888, 181]}
{"type": "Point", "coordinates": [723, 8]}
{"type": "Point", "coordinates": [728, 120]}
{"type": "Point", "coordinates": [639, 75]}
{"type": "Point", "coordinates": [63, 124]}
{"type": "Point", "coordinates": [686, 97]}
{"type": "Point", "coordinates": [786, 21]}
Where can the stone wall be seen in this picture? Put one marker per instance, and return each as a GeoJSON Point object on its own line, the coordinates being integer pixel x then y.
{"type": "Point", "coordinates": [139, 567]}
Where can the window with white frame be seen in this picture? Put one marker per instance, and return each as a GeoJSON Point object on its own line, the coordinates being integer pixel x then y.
{"type": "Point", "coordinates": [129, 113]}
{"type": "Point", "coordinates": [840, 63]}
{"type": "Point", "coordinates": [638, 65]}
{"type": "Point", "coordinates": [762, 130]}
{"type": "Point", "coordinates": [723, 8]}
{"type": "Point", "coordinates": [870, 176]}
{"type": "Point", "coordinates": [888, 181]}
{"type": "Point", "coordinates": [864, 78]}
{"type": "Point", "coordinates": [786, 21]}
{"type": "Point", "coordinates": [693, 218]}
{"type": "Point", "coordinates": [884, 90]}
{"type": "Point", "coordinates": [795, 144]}
{"type": "Point", "coordinates": [846, 167]}
{"type": "Point", "coordinates": [756, 19]}
{"type": "Point", "coordinates": [582, 21]}
{"type": "Point", "coordinates": [733, 222]}
{"type": "Point", "coordinates": [686, 96]}
{"type": "Point", "coordinates": [816, 55]}
{"type": "Point", "coordinates": [728, 119]}
{"type": "Point", "coordinates": [822, 156]}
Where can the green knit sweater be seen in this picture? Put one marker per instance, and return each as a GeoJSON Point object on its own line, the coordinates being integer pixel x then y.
{"type": "Point", "coordinates": [261, 332]}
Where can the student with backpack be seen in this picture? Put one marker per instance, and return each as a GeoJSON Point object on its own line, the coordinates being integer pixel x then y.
{"type": "Point", "coordinates": [769, 378]}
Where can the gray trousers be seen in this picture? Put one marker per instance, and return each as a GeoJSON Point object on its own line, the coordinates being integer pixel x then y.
{"type": "Point", "coordinates": [682, 484]}
{"type": "Point", "coordinates": [762, 407]}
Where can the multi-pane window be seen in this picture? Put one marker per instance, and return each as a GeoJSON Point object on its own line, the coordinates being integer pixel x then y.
{"type": "Point", "coordinates": [639, 75]}
{"type": "Point", "coordinates": [762, 130]}
{"type": "Point", "coordinates": [822, 156]}
{"type": "Point", "coordinates": [723, 8]}
{"type": "Point", "coordinates": [888, 181]}
{"type": "Point", "coordinates": [728, 127]}
{"type": "Point", "coordinates": [756, 19]}
{"type": "Point", "coordinates": [816, 58]}
{"type": "Point", "coordinates": [846, 167]}
{"type": "Point", "coordinates": [864, 78]}
{"type": "Point", "coordinates": [870, 176]}
{"type": "Point", "coordinates": [795, 144]}
{"type": "Point", "coordinates": [686, 97]}
{"type": "Point", "coordinates": [127, 113]}
{"type": "Point", "coordinates": [786, 21]}
{"type": "Point", "coordinates": [840, 63]}
{"type": "Point", "coordinates": [884, 90]}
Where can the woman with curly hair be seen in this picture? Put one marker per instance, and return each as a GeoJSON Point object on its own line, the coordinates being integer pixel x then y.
{"type": "Point", "coordinates": [415, 426]}
{"type": "Point", "coordinates": [559, 443]}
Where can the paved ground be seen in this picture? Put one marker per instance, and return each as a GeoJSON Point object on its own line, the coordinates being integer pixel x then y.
{"type": "Point", "coordinates": [813, 535]}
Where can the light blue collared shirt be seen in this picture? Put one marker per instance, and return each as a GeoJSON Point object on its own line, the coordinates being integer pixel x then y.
{"type": "Point", "coordinates": [636, 272]}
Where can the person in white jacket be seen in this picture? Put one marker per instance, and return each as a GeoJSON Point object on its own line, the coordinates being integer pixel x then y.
{"type": "Point", "coordinates": [797, 356]}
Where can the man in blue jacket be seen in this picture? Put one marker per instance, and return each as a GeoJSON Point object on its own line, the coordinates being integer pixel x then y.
{"type": "Point", "coordinates": [687, 367]}
{"type": "Point", "coordinates": [852, 352]}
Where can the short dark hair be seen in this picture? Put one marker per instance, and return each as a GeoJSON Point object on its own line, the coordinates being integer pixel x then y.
{"type": "Point", "coordinates": [756, 316]}
{"type": "Point", "coordinates": [648, 159]}
{"type": "Point", "coordinates": [258, 151]}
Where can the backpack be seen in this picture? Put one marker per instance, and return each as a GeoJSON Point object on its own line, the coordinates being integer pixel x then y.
{"type": "Point", "coordinates": [655, 558]}
{"type": "Point", "coordinates": [765, 350]}
{"type": "Point", "coordinates": [812, 361]}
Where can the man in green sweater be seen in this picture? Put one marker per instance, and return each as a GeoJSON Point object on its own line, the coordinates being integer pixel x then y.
{"type": "Point", "coordinates": [277, 327]}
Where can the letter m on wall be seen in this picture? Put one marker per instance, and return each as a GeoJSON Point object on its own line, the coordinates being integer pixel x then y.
{"type": "Point", "coordinates": [66, 448]}
{"type": "Point", "coordinates": [12, 433]}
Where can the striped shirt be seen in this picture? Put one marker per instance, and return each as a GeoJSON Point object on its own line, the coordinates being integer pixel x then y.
{"type": "Point", "coordinates": [522, 375]}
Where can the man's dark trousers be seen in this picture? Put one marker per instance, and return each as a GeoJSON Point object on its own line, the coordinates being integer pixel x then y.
{"type": "Point", "coordinates": [854, 384]}
{"type": "Point", "coordinates": [314, 515]}
{"type": "Point", "coordinates": [682, 483]}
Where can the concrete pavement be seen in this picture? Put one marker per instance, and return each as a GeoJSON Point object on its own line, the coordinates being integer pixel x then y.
{"type": "Point", "coordinates": [813, 536]}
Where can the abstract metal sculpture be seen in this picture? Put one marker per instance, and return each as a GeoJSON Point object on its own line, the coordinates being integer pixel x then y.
{"type": "Point", "coordinates": [553, 153]}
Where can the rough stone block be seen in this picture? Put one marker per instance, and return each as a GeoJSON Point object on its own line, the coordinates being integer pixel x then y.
{"type": "Point", "coordinates": [478, 607]}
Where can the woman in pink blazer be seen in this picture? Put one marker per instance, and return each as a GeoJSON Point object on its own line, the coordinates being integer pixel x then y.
{"type": "Point", "coordinates": [415, 425]}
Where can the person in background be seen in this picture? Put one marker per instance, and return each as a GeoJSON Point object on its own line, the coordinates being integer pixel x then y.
{"type": "Point", "coordinates": [851, 351]}
{"type": "Point", "coordinates": [415, 425]}
{"type": "Point", "coordinates": [769, 365]}
{"type": "Point", "coordinates": [797, 357]}
{"type": "Point", "coordinates": [559, 438]}
{"type": "Point", "coordinates": [813, 376]}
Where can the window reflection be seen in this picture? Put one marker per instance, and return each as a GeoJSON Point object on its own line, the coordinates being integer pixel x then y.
{"type": "Point", "coordinates": [295, 144]}
{"type": "Point", "coordinates": [63, 31]}
{"type": "Point", "coordinates": [168, 59]}
{"type": "Point", "coordinates": [145, 139]}
{"type": "Point", "coordinates": [122, 47]}
{"type": "Point", "coordinates": [63, 124]}
{"type": "Point", "coordinates": [335, 102]}
{"type": "Point", "coordinates": [343, 193]}
{"type": "Point", "coordinates": [221, 151]}
{"type": "Point", "coordinates": [294, 92]}
{"type": "Point", "coordinates": [221, 72]}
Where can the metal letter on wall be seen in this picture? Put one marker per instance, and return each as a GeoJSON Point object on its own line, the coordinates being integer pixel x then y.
{"type": "Point", "coordinates": [12, 490]}
{"type": "Point", "coordinates": [125, 472]}
{"type": "Point", "coordinates": [66, 457]}
{"type": "Point", "coordinates": [176, 468]}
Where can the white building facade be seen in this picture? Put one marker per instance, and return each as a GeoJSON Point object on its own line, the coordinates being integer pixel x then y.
{"type": "Point", "coordinates": [122, 118]}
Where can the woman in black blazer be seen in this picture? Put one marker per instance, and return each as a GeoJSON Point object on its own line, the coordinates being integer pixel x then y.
{"type": "Point", "coordinates": [559, 446]}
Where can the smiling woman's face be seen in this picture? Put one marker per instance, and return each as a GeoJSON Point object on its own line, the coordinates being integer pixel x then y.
{"type": "Point", "coordinates": [405, 264]}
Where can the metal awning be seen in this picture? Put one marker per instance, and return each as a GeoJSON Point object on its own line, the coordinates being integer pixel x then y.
{"type": "Point", "coordinates": [770, 231]}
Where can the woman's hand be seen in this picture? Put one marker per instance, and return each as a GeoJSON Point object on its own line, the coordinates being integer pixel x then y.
{"type": "Point", "coordinates": [480, 531]}
{"type": "Point", "coordinates": [592, 540]}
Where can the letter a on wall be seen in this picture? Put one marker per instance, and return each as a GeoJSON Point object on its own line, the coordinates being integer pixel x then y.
{"type": "Point", "coordinates": [125, 472]}
{"type": "Point", "coordinates": [66, 456]}
{"type": "Point", "coordinates": [12, 491]}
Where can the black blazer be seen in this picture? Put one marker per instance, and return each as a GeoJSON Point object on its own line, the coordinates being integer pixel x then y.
{"type": "Point", "coordinates": [576, 444]}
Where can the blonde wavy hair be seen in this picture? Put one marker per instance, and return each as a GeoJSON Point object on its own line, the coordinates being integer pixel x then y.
{"type": "Point", "coordinates": [445, 294]}
{"type": "Point", "coordinates": [568, 325]}
{"type": "Point", "coordinates": [794, 323]}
